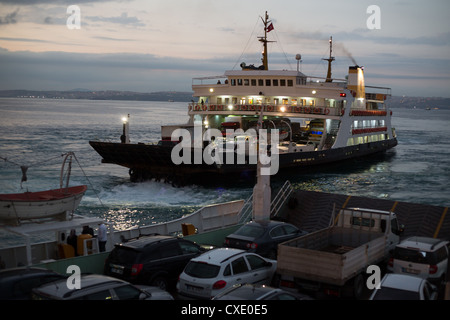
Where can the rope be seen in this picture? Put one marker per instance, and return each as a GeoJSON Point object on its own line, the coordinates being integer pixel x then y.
{"type": "Point", "coordinates": [248, 41]}
{"type": "Point", "coordinates": [98, 197]}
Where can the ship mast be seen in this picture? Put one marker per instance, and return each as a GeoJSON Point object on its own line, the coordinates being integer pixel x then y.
{"type": "Point", "coordinates": [330, 59]}
{"type": "Point", "coordinates": [265, 41]}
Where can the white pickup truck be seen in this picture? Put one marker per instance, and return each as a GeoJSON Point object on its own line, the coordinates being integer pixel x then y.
{"type": "Point", "coordinates": [337, 257]}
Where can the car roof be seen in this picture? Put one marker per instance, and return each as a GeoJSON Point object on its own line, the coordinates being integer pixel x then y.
{"type": "Point", "coordinates": [20, 271]}
{"type": "Point", "coordinates": [266, 223]}
{"type": "Point", "coordinates": [144, 241]}
{"type": "Point", "coordinates": [402, 281]}
{"type": "Point", "coordinates": [60, 289]}
{"type": "Point", "coordinates": [218, 256]}
{"type": "Point", "coordinates": [422, 243]}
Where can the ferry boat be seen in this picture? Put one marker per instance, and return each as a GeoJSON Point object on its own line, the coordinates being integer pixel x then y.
{"type": "Point", "coordinates": [318, 120]}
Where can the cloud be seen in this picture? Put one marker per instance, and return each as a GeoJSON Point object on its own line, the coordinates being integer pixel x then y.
{"type": "Point", "coordinates": [123, 19]}
{"type": "Point", "coordinates": [10, 18]}
{"type": "Point", "coordinates": [68, 2]}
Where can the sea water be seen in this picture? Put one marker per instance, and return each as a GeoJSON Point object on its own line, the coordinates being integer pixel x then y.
{"type": "Point", "coordinates": [37, 132]}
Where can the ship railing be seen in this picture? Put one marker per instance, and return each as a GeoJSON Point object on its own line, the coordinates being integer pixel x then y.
{"type": "Point", "coordinates": [245, 215]}
{"type": "Point", "coordinates": [212, 108]}
{"type": "Point", "coordinates": [280, 199]}
{"type": "Point", "coordinates": [276, 205]}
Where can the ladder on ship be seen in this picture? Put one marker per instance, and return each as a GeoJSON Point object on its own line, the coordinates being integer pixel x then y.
{"type": "Point", "coordinates": [245, 215]}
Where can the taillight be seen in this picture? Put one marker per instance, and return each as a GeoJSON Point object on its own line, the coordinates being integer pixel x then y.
{"type": "Point", "coordinates": [136, 269]}
{"type": "Point", "coordinates": [433, 269]}
{"type": "Point", "coordinates": [251, 245]}
{"type": "Point", "coordinates": [391, 262]}
{"type": "Point", "coordinates": [227, 242]}
{"type": "Point", "coordinates": [219, 284]}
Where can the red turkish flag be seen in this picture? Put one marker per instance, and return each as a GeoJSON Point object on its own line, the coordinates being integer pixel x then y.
{"type": "Point", "coordinates": [270, 27]}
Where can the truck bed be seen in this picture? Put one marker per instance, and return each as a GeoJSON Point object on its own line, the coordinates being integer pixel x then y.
{"type": "Point", "coordinates": [332, 255]}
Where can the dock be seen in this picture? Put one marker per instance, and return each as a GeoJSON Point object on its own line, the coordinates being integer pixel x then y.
{"type": "Point", "coordinates": [312, 210]}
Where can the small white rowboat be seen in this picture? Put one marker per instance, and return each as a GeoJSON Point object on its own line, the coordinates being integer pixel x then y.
{"type": "Point", "coordinates": [15, 207]}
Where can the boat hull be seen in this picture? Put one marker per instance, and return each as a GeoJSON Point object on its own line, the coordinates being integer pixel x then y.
{"type": "Point", "coordinates": [148, 162]}
{"type": "Point", "coordinates": [38, 205]}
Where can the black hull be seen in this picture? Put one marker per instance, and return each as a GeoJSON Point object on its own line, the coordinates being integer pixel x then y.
{"type": "Point", "coordinates": [148, 162]}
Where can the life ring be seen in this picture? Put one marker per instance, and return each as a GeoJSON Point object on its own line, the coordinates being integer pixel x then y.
{"type": "Point", "coordinates": [212, 107]}
{"type": "Point", "coordinates": [219, 107]}
{"type": "Point", "coordinates": [326, 111]}
{"type": "Point", "coordinates": [204, 107]}
{"type": "Point", "coordinates": [269, 108]}
{"type": "Point", "coordinates": [243, 107]}
{"type": "Point", "coordinates": [251, 108]}
{"type": "Point", "coordinates": [197, 107]}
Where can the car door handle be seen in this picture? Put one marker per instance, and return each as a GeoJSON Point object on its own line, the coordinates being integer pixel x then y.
{"type": "Point", "coordinates": [255, 275]}
{"type": "Point", "coordinates": [238, 279]}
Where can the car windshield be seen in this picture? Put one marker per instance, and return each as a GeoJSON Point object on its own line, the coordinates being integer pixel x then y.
{"type": "Point", "coordinates": [201, 270]}
{"type": "Point", "coordinates": [252, 231]}
{"type": "Point", "coordinates": [395, 294]}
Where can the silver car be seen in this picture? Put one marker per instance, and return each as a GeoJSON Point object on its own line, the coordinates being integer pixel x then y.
{"type": "Point", "coordinates": [98, 287]}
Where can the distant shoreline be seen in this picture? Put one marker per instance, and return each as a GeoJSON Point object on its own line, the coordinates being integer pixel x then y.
{"type": "Point", "coordinates": [174, 96]}
{"type": "Point", "coordinates": [177, 96]}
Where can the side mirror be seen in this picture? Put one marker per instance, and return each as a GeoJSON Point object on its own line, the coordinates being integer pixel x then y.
{"type": "Point", "coordinates": [143, 296]}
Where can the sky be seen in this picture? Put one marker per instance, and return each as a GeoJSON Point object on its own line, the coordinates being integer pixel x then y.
{"type": "Point", "coordinates": [160, 45]}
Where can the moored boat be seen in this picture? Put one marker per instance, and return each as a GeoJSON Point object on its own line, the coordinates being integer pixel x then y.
{"type": "Point", "coordinates": [314, 120]}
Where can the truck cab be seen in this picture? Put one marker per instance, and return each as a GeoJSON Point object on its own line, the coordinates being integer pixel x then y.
{"type": "Point", "coordinates": [373, 221]}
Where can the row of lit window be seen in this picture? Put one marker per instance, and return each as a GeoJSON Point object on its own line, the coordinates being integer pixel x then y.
{"type": "Point", "coordinates": [264, 82]}
{"type": "Point", "coordinates": [275, 101]}
{"type": "Point", "coordinates": [366, 139]}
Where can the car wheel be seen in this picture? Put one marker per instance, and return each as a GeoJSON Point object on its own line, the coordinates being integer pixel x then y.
{"type": "Point", "coordinates": [160, 282]}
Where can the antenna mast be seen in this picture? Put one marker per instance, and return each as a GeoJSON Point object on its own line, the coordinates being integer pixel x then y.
{"type": "Point", "coordinates": [330, 59]}
{"type": "Point", "coordinates": [265, 41]}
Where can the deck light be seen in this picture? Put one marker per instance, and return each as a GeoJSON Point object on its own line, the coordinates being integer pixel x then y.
{"type": "Point", "coordinates": [230, 107]}
{"type": "Point", "coordinates": [314, 92]}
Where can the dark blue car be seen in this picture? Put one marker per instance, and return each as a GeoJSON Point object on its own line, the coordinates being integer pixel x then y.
{"type": "Point", "coordinates": [262, 237]}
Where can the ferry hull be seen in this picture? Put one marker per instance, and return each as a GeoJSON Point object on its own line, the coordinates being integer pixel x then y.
{"type": "Point", "coordinates": [148, 162]}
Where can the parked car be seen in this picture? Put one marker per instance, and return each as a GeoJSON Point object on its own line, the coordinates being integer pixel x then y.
{"type": "Point", "coordinates": [423, 257]}
{"type": "Point", "coordinates": [404, 287]}
{"type": "Point", "coordinates": [262, 237]}
{"type": "Point", "coordinates": [17, 283]}
{"type": "Point", "coordinates": [214, 271]}
{"type": "Point", "coordinates": [99, 287]}
{"type": "Point", "coordinates": [258, 292]}
{"type": "Point", "coordinates": [151, 260]}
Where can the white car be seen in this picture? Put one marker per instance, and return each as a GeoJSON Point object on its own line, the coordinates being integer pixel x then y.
{"type": "Point", "coordinates": [404, 287]}
{"type": "Point", "coordinates": [423, 257]}
{"type": "Point", "coordinates": [214, 271]}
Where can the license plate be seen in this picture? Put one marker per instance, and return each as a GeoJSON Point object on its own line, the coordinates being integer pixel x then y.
{"type": "Point", "coordinates": [115, 270]}
{"type": "Point", "coordinates": [193, 288]}
{"type": "Point", "coordinates": [409, 270]}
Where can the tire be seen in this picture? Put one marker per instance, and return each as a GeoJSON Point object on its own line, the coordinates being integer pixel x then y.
{"type": "Point", "coordinates": [358, 287]}
{"type": "Point", "coordinates": [160, 282]}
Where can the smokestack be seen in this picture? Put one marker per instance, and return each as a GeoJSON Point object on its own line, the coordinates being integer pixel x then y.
{"type": "Point", "coordinates": [356, 81]}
